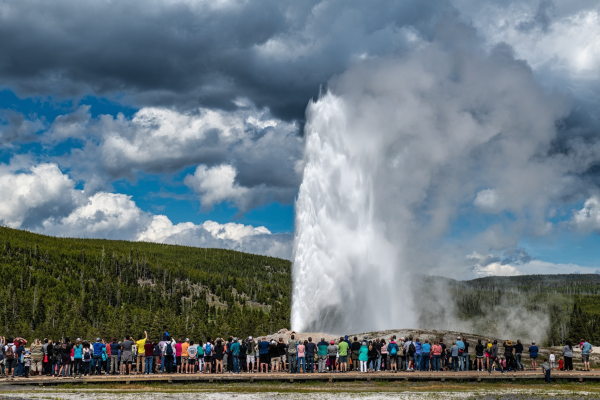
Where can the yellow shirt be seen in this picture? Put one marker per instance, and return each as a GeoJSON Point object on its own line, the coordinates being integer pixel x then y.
{"type": "Point", "coordinates": [140, 346]}
{"type": "Point", "coordinates": [184, 347]}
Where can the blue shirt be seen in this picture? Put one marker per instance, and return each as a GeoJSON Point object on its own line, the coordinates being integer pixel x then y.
{"type": "Point", "coordinates": [235, 348]}
{"type": "Point", "coordinates": [585, 349]}
{"type": "Point", "coordinates": [418, 348]}
{"type": "Point", "coordinates": [426, 347]}
{"type": "Point", "coordinates": [77, 351]}
{"type": "Point", "coordinates": [533, 351]}
{"type": "Point", "coordinates": [263, 347]}
{"type": "Point", "coordinates": [98, 348]}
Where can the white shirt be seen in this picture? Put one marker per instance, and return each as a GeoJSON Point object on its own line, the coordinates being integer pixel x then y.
{"type": "Point", "coordinates": [552, 357]}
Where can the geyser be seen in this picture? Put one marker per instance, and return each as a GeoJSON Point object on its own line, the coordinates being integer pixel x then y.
{"type": "Point", "coordinates": [394, 149]}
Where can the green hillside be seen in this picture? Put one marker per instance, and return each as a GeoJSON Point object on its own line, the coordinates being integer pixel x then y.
{"type": "Point", "coordinates": [52, 287]}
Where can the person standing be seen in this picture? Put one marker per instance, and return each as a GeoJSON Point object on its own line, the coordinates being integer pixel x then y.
{"type": "Point", "coordinates": [208, 356]}
{"type": "Point", "coordinates": [519, 355]}
{"type": "Point", "coordinates": [418, 354]}
{"type": "Point", "coordinates": [293, 352]}
{"type": "Point", "coordinates": [149, 356]}
{"type": "Point", "coordinates": [235, 354]}
{"type": "Point", "coordinates": [425, 355]}
{"type": "Point", "coordinates": [302, 356]}
{"type": "Point", "coordinates": [37, 357]}
{"type": "Point", "coordinates": [127, 355]}
{"type": "Point", "coordinates": [263, 355]}
{"type": "Point", "coordinates": [454, 350]}
{"type": "Point", "coordinates": [586, 349]}
{"type": "Point", "coordinates": [465, 355]}
{"type": "Point", "coordinates": [10, 357]}
{"type": "Point", "coordinates": [114, 356]}
{"type": "Point", "coordinates": [251, 355]}
{"type": "Point", "coordinates": [533, 354]}
{"type": "Point", "coordinates": [78, 358]}
{"type": "Point", "coordinates": [322, 354]}
{"type": "Point", "coordinates": [436, 350]}
{"type": "Point", "coordinates": [140, 365]}
{"type": "Point", "coordinates": [343, 352]}
{"type": "Point", "coordinates": [508, 354]}
{"type": "Point", "coordinates": [65, 357]}
{"type": "Point", "coordinates": [355, 350]}
{"type": "Point", "coordinates": [363, 357]}
{"type": "Point", "coordinates": [567, 353]}
{"type": "Point", "coordinates": [332, 350]}
{"type": "Point", "coordinates": [311, 351]}
{"type": "Point", "coordinates": [98, 345]}
{"type": "Point", "coordinates": [461, 350]}
{"type": "Point", "coordinates": [479, 350]}
{"type": "Point", "coordinates": [193, 354]}
{"type": "Point", "coordinates": [185, 356]}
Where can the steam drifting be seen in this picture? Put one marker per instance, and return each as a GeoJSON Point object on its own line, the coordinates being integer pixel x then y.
{"type": "Point", "coordinates": [394, 150]}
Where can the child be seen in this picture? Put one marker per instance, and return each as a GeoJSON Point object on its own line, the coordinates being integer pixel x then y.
{"type": "Point", "coordinates": [561, 365]}
{"type": "Point", "coordinates": [546, 370]}
{"type": "Point", "coordinates": [26, 364]}
{"type": "Point", "coordinates": [552, 359]}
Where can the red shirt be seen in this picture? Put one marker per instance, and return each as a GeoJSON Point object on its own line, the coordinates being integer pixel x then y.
{"type": "Point", "coordinates": [149, 349]}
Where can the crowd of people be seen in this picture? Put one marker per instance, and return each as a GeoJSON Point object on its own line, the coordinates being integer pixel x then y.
{"type": "Point", "coordinates": [77, 358]}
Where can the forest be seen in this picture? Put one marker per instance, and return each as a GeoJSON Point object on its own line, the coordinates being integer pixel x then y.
{"type": "Point", "coordinates": [55, 287]}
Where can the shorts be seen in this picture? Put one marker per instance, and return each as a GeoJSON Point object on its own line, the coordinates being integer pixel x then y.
{"type": "Point", "coordinates": [585, 357]}
{"type": "Point", "coordinates": [208, 359]}
{"type": "Point", "coordinates": [250, 359]}
{"type": "Point", "coordinates": [283, 358]}
{"type": "Point", "coordinates": [127, 358]}
{"type": "Point", "coordinates": [178, 360]}
{"type": "Point", "coordinates": [343, 359]}
{"type": "Point", "coordinates": [275, 361]}
{"type": "Point", "coordinates": [394, 358]}
{"type": "Point", "coordinates": [184, 359]}
{"type": "Point", "coordinates": [534, 358]}
{"type": "Point", "coordinates": [66, 361]}
{"type": "Point", "coordinates": [264, 358]}
{"type": "Point", "coordinates": [480, 357]}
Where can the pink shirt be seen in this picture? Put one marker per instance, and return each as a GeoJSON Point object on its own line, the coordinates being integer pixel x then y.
{"type": "Point", "coordinates": [177, 349]}
{"type": "Point", "coordinates": [300, 349]}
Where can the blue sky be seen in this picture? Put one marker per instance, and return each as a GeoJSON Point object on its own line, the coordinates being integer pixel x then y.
{"type": "Point", "coordinates": [183, 122]}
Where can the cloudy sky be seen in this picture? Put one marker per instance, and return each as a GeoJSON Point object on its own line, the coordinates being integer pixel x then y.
{"type": "Point", "coordinates": [182, 121]}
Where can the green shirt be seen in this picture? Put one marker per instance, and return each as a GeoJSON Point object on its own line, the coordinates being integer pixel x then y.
{"type": "Point", "coordinates": [343, 349]}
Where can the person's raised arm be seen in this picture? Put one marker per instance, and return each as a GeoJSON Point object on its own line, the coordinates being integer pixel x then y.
{"type": "Point", "coordinates": [146, 333]}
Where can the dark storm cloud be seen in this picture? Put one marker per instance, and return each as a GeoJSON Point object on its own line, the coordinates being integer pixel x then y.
{"type": "Point", "coordinates": [197, 53]}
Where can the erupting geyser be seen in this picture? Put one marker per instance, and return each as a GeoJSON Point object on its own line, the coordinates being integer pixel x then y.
{"type": "Point", "coordinates": [393, 150]}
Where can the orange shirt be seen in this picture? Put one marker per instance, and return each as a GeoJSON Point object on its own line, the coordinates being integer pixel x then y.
{"type": "Point", "coordinates": [184, 347]}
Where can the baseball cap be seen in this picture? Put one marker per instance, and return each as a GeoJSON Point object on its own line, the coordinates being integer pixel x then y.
{"type": "Point", "coordinates": [98, 339]}
{"type": "Point", "coordinates": [235, 339]}
{"type": "Point", "coordinates": [187, 339]}
{"type": "Point", "coordinates": [249, 337]}
{"type": "Point", "coordinates": [332, 342]}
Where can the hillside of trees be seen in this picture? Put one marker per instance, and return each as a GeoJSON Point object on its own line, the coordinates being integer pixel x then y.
{"type": "Point", "coordinates": [54, 287]}
{"type": "Point", "coordinates": [549, 308]}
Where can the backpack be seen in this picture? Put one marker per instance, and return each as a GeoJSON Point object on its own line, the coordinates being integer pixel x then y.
{"type": "Point", "coordinates": [208, 349]}
{"type": "Point", "coordinates": [394, 350]}
{"type": "Point", "coordinates": [169, 350]}
{"type": "Point", "coordinates": [86, 354]}
{"type": "Point", "coordinates": [411, 348]}
{"type": "Point", "coordinates": [104, 354]}
{"type": "Point", "coordinates": [200, 351]}
{"type": "Point", "coordinates": [10, 353]}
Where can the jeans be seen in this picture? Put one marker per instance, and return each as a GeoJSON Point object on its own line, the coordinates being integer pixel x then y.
{"type": "Point", "coordinates": [149, 364]}
{"type": "Point", "coordinates": [425, 362]}
{"type": "Point", "coordinates": [547, 376]}
{"type": "Point", "coordinates": [293, 361]}
{"type": "Point", "coordinates": [56, 367]}
{"type": "Point", "coordinates": [379, 363]}
{"type": "Point", "coordinates": [302, 362]}
{"type": "Point", "coordinates": [519, 363]}
{"type": "Point", "coordinates": [98, 364]}
{"type": "Point", "coordinates": [464, 362]}
{"type": "Point", "coordinates": [417, 361]}
{"type": "Point", "coordinates": [162, 364]}
{"type": "Point", "coordinates": [236, 363]}
{"type": "Point", "coordinates": [436, 362]}
{"type": "Point", "coordinates": [455, 363]}
{"type": "Point", "coordinates": [310, 363]}
{"type": "Point", "coordinates": [19, 368]}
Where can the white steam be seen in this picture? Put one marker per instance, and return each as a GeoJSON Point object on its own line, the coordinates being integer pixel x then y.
{"type": "Point", "coordinates": [394, 149]}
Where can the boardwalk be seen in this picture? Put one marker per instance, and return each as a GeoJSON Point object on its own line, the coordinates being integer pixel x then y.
{"type": "Point", "coordinates": [580, 376]}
